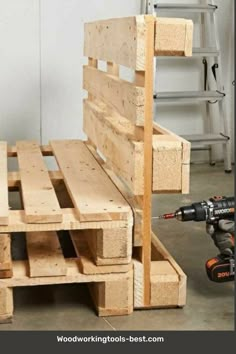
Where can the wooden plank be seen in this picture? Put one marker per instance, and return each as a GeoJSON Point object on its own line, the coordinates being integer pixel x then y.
{"type": "Point", "coordinates": [124, 97]}
{"type": "Point", "coordinates": [93, 194]}
{"type": "Point", "coordinates": [14, 178]}
{"type": "Point", "coordinates": [4, 207]}
{"type": "Point", "coordinates": [40, 201]}
{"type": "Point", "coordinates": [85, 258]}
{"type": "Point", "coordinates": [45, 150]}
{"type": "Point", "coordinates": [45, 255]}
{"type": "Point", "coordinates": [70, 222]}
{"type": "Point", "coordinates": [5, 256]}
{"type": "Point", "coordinates": [125, 156]}
{"type": "Point", "coordinates": [173, 37]}
{"type": "Point", "coordinates": [21, 276]}
{"type": "Point", "coordinates": [127, 35]}
{"type": "Point", "coordinates": [147, 81]}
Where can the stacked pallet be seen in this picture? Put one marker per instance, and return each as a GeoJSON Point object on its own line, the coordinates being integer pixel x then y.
{"type": "Point", "coordinates": [103, 203]}
{"type": "Point", "coordinates": [79, 198]}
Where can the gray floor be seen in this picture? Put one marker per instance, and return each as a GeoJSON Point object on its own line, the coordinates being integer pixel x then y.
{"type": "Point", "coordinates": [209, 306]}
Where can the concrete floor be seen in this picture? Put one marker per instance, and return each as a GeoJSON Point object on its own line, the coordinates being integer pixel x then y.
{"type": "Point", "coordinates": [209, 306]}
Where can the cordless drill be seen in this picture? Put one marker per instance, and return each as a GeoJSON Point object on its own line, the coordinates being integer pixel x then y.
{"type": "Point", "coordinates": [218, 213]}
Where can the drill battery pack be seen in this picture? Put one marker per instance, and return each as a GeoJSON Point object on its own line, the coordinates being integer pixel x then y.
{"type": "Point", "coordinates": [220, 269]}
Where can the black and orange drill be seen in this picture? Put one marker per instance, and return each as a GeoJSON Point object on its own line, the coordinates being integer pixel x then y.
{"type": "Point", "coordinates": [218, 213]}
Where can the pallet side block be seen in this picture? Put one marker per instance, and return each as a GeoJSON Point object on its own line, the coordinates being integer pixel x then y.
{"type": "Point", "coordinates": [6, 305]}
{"type": "Point", "coordinates": [114, 298]}
{"type": "Point", "coordinates": [168, 281]}
{"type": "Point", "coordinates": [5, 256]}
{"type": "Point", "coordinates": [173, 37]}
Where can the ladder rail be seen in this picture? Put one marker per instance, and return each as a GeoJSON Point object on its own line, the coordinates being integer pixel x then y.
{"type": "Point", "coordinates": [222, 104]}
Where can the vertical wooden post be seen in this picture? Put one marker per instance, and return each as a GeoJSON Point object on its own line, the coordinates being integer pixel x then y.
{"type": "Point", "coordinates": [145, 79]}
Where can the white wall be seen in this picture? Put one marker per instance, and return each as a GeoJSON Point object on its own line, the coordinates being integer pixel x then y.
{"type": "Point", "coordinates": [19, 70]}
{"type": "Point", "coordinates": [41, 51]}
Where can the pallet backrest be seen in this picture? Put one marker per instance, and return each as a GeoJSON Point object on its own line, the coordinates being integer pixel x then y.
{"type": "Point", "coordinates": [114, 113]}
{"type": "Point", "coordinates": [118, 114]}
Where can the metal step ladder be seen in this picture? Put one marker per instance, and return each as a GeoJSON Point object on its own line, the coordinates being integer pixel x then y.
{"type": "Point", "coordinates": [213, 92]}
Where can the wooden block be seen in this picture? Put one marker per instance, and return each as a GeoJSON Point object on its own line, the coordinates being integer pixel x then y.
{"type": "Point", "coordinates": [5, 256]}
{"type": "Point", "coordinates": [6, 304]}
{"type": "Point", "coordinates": [125, 156]}
{"type": "Point", "coordinates": [4, 207]}
{"type": "Point", "coordinates": [85, 258]}
{"type": "Point", "coordinates": [124, 97]}
{"type": "Point", "coordinates": [167, 164]}
{"type": "Point", "coordinates": [167, 283]}
{"type": "Point", "coordinates": [156, 243]}
{"type": "Point", "coordinates": [178, 176]}
{"type": "Point", "coordinates": [116, 243]}
{"type": "Point", "coordinates": [164, 285]}
{"type": "Point", "coordinates": [114, 298]}
{"type": "Point", "coordinates": [40, 201]}
{"type": "Point", "coordinates": [45, 255]}
{"type": "Point", "coordinates": [109, 247]}
{"type": "Point", "coordinates": [120, 40]}
{"type": "Point", "coordinates": [92, 192]}
{"type": "Point", "coordinates": [173, 37]}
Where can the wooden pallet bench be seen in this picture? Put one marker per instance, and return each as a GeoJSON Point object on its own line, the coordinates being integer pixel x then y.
{"type": "Point", "coordinates": [101, 190]}
{"type": "Point", "coordinates": [140, 156]}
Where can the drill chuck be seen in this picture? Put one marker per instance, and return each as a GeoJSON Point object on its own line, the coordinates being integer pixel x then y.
{"type": "Point", "coordinates": [214, 209]}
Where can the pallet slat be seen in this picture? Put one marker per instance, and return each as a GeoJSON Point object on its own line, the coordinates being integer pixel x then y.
{"type": "Point", "coordinates": [4, 208]}
{"type": "Point", "coordinates": [69, 222]}
{"type": "Point", "coordinates": [45, 255]}
{"type": "Point", "coordinates": [127, 34]}
{"type": "Point", "coordinates": [126, 98]}
{"type": "Point", "coordinates": [40, 201]}
{"type": "Point", "coordinates": [21, 276]}
{"type": "Point", "coordinates": [125, 156]}
{"type": "Point", "coordinates": [93, 194]}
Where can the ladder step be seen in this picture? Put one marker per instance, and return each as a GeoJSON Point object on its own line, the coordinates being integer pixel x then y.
{"type": "Point", "coordinates": [197, 53]}
{"type": "Point", "coordinates": [185, 7]}
{"type": "Point", "coordinates": [206, 138]}
{"type": "Point", "coordinates": [206, 52]}
{"type": "Point", "coordinates": [188, 96]}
